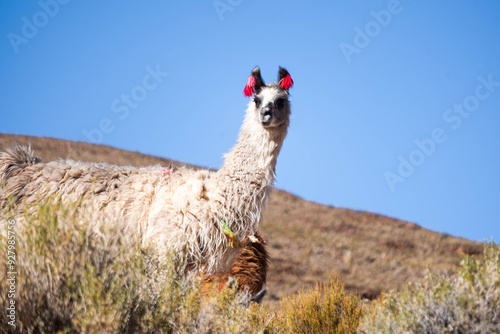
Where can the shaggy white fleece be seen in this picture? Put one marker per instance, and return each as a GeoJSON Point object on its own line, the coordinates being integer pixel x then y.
{"type": "Point", "coordinates": [183, 209]}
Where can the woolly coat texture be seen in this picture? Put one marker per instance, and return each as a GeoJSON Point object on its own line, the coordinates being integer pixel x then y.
{"type": "Point", "coordinates": [183, 210]}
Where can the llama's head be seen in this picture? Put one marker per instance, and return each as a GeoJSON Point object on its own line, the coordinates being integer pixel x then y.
{"type": "Point", "coordinates": [269, 106]}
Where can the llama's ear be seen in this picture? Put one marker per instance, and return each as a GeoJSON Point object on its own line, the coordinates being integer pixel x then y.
{"type": "Point", "coordinates": [284, 79]}
{"type": "Point", "coordinates": [254, 83]}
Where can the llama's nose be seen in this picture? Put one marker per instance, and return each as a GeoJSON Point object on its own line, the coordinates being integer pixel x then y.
{"type": "Point", "coordinates": [266, 114]}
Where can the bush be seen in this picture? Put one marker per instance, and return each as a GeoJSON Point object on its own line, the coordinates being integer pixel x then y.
{"type": "Point", "coordinates": [323, 309]}
{"type": "Point", "coordinates": [466, 303]}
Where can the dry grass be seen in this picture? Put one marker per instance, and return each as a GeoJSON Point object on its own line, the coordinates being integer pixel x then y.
{"type": "Point", "coordinates": [71, 280]}
{"type": "Point", "coordinates": [325, 308]}
{"type": "Point", "coordinates": [466, 303]}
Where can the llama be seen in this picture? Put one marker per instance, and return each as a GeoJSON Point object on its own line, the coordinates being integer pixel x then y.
{"type": "Point", "coordinates": [199, 214]}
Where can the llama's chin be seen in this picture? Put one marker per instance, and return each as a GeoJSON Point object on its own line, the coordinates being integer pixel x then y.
{"type": "Point", "coordinates": [270, 125]}
{"type": "Point", "coordinates": [266, 121]}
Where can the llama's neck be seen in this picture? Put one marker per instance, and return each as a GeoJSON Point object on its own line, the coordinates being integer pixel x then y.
{"type": "Point", "coordinates": [248, 174]}
{"type": "Point", "coordinates": [255, 153]}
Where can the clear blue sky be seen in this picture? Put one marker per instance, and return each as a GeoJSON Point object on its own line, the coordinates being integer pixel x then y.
{"type": "Point", "coordinates": [396, 104]}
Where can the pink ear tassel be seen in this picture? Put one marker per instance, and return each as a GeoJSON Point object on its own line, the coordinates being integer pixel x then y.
{"type": "Point", "coordinates": [287, 82]}
{"type": "Point", "coordinates": [248, 91]}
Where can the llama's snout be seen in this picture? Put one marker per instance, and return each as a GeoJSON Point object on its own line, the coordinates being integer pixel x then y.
{"type": "Point", "coordinates": [266, 115]}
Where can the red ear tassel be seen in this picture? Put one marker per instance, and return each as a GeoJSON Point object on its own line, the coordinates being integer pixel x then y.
{"type": "Point", "coordinates": [248, 91]}
{"type": "Point", "coordinates": [287, 82]}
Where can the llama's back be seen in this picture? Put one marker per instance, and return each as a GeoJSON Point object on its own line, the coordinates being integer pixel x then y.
{"type": "Point", "coordinates": [111, 193]}
{"type": "Point", "coordinates": [169, 209]}
{"type": "Point", "coordinates": [24, 178]}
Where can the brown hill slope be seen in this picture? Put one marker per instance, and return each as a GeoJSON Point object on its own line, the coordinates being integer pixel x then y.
{"type": "Point", "coordinates": [309, 241]}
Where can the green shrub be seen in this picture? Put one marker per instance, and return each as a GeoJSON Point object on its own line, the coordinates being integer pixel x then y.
{"type": "Point", "coordinates": [466, 303]}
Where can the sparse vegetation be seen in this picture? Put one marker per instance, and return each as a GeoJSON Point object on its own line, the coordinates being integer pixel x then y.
{"type": "Point", "coordinates": [71, 280]}
{"type": "Point", "coordinates": [466, 303]}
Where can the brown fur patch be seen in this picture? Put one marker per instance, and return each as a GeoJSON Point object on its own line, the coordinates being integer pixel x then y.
{"type": "Point", "coordinates": [249, 268]}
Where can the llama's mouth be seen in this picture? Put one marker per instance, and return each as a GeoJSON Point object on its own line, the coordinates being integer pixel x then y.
{"type": "Point", "coordinates": [266, 120]}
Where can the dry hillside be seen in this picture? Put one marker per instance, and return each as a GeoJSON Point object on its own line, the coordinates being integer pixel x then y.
{"type": "Point", "coordinates": [309, 241]}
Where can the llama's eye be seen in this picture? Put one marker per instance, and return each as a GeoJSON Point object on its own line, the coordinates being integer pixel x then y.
{"type": "Point", "coordinates": [257, 102]}
{"type": "Point", "coordinates": [279, 103]}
